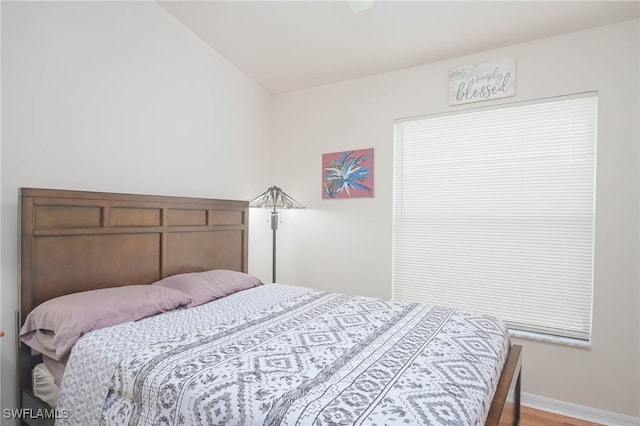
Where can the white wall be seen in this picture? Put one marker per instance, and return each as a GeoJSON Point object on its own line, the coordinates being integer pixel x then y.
{"type": "Point", "coordinates": [117, 97]}
{"type": "Point", "coordinates": [345, 245]}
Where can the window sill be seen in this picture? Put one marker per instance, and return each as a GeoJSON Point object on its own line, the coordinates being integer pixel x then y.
{"type": "Point", "coordinates": [547, 338]}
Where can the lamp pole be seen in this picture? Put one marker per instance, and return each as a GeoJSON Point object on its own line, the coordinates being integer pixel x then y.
{"type": "Point", "coordinates": [274, 227]}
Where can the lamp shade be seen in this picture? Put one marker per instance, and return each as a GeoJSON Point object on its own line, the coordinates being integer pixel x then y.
{"type": "Point", "coordinates": [275, 198]}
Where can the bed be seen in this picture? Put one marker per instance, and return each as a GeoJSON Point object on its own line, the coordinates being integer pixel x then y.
{"type": "Point", "coordinates": [308, 345]}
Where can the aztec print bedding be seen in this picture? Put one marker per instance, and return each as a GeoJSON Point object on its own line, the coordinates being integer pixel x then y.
{"type": "Point", "coordinates": [282, 355]}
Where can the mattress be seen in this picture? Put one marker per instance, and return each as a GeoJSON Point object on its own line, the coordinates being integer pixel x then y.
{"type": "Point", "coordinates": [44, 386]}
{"type": "Point", "coordinates": [288, 355]}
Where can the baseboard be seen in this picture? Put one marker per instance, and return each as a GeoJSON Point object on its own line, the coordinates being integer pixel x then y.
{"type": "Point", "coordinates": [594, 415]}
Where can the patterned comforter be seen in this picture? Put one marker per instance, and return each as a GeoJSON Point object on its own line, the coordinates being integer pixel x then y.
{"type": "Point", "coordinates": [282, 355]}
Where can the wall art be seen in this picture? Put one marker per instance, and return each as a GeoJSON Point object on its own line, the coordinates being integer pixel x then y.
{"type": "Point", "coordinates": [347, 174]}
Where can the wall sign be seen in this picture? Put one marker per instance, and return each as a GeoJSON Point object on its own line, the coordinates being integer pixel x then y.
{"type": "Point", "coordinates": [481, 82]}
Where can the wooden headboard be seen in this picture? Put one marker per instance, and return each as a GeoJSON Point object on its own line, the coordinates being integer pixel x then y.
{"type": "Point", "coordinates": [74, 241]}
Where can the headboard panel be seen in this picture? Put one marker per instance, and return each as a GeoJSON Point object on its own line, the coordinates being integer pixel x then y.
{"type": "Point", "coordinates": [75, 240]}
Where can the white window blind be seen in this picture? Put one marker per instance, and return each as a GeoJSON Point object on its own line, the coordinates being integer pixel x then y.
{"type": "Point", "coordinates": [494, 212]}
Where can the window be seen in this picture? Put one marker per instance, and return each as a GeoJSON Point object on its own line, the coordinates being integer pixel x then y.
{"type": "Point", "coordinates": [494, 212]}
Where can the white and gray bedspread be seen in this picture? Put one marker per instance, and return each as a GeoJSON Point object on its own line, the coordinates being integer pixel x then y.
{"type": "Point", "coordinates": [284, 355]}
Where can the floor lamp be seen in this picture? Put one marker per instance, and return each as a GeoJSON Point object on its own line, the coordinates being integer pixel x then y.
{"type": "Point", "coordinates": [274, 198]}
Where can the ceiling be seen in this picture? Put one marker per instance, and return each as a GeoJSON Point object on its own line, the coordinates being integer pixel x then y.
{"type": "Point", "coordinates": [291, 45]}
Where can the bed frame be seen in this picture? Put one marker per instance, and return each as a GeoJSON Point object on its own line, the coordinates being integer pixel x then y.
{"type": "Point", "coordinates": [74, 241]}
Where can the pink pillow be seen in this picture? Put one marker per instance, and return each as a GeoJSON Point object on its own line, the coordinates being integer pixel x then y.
{"type": "Point", "coordinates": [206, 286]}
{"type": "Point", "coordinates": [54, 326]}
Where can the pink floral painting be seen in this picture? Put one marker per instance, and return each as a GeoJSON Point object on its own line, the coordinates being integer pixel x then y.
{"type": "Point", "coordinates": [347, 174]}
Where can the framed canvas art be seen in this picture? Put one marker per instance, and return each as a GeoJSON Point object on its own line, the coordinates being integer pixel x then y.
{"type": "Point", "coordinates": [347, 174]}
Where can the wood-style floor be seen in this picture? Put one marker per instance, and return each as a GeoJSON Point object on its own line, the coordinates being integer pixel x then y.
{"type": "Point", "coordinates": [532, 417]}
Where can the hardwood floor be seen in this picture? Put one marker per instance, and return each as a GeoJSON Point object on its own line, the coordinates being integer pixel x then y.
{"type": "Point", "coordinates": [532, 417]}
